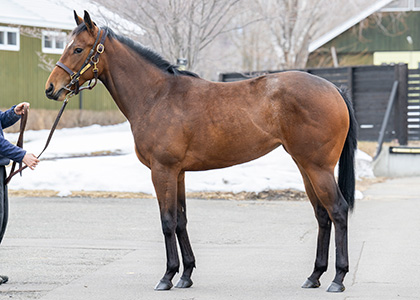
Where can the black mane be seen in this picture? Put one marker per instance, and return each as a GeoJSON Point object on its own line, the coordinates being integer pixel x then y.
{"type": "Point", "coordinates": [147, 53]}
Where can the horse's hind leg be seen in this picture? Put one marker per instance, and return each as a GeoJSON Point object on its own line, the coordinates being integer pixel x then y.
{"type": "Point", "coordinates": [188, 259]}
{"type": "Point", "coordinates": [330, 198]}
{"type": "Point", "coordinates": [323, 243]}
{"type": "Point", "coordinates": [324, 233]}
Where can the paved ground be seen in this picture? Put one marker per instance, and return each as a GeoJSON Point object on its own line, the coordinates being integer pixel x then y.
{"type": "Point", "coordinates": [61, 248]}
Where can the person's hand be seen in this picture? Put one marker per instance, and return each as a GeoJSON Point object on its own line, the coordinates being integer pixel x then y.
{"type": "Point", "coordinates": [19, 108]}
{"type": "Point", "coordinates": [30, 160]}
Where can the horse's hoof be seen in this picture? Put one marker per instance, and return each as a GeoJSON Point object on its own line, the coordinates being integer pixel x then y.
{"type": "Point", "coordinates": [3, 279]}
{"type": "Point", "coordinates": [336, 288]}
{"type": "Point", "coordinates": [309, 284]}
{"type": "Point", "coordinates": [163, 285]}
{"type": "Point", "coordinates": [183, 283]}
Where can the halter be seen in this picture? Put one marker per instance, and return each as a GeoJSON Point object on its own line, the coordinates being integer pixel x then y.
{"type": "Point", "coordinates": [90, 61]}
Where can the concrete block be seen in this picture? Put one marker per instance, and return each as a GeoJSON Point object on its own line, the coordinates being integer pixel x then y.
{"type": "Point", "coordinates": [397, 162]}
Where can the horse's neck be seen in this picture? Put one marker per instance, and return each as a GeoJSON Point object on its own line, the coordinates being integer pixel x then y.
{"type": "Point", "coordinates": [131, 81]}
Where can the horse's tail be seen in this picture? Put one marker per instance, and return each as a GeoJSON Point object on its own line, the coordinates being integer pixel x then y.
{"type": "Point", "coordinates": [346, 168]}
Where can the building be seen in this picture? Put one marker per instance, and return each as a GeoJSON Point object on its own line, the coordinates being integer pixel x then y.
{"type": "Point", "coordinates": [392, 36]}
{"type": "Point", "coordinates": [33, 34]}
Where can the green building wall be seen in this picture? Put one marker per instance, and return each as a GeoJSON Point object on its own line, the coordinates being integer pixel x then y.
{"type": "Point", "coordinates": [353, 49]}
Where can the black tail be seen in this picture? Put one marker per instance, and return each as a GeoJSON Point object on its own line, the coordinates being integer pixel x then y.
{"type": "Point", "coordinates": [346, 172]}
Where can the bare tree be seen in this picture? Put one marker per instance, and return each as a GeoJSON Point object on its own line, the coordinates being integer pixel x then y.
{"type": "Point", "coordinates": [291, 24]}
{"type": "Point", "coordinates": [177, 29]}
{"type": "Point", "coordinates": [46, 63]}
{"type": "Point", "coordinates": [389, 23]}
{"type": "Point", "coordinates": [250, 42]}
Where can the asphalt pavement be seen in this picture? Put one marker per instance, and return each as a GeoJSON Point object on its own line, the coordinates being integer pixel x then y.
{"type": "Point", "coordinates": [82, 248]}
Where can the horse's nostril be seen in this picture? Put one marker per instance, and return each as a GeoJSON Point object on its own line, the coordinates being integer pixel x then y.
{"type": "Point", "coordinates": [50, 89]}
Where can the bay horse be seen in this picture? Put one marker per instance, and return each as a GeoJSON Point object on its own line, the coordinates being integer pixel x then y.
{"type": "Point", "coordinates": [181, 122]}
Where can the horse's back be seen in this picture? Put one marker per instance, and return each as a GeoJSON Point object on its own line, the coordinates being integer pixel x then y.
{"type": "Point", "coordinates": [291, 101]}
{"type": "Point", "coordinates": [241, 121]}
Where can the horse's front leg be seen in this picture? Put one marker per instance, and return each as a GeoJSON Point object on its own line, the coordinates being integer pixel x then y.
{"type": "Point", "coordinates": [188, 259]}
{"type": "Point", "coordinates": [165, 183]}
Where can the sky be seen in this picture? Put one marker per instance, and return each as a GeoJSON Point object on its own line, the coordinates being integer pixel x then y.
{"type": "Point", "coordinates": [68, 165]}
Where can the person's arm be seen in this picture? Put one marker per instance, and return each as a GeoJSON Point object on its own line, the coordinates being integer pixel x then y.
{"type": "Point", "coordinates": [17, 154]}
{"type": "Point", "coordinates": [9, 117]}
{"type": "Point", "coordinates": [7, 149]}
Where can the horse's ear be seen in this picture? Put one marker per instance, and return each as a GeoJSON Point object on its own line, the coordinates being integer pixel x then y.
{"type": "Point", "coordinates": [88, 22]}
{"type": "Point", "coordinates": [78, 19]}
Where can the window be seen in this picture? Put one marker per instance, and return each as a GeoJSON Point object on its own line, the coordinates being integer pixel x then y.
{"type": "Point", "coordinates": [53, 42]}
{"type": "Point", "coordinates": [9, 38]}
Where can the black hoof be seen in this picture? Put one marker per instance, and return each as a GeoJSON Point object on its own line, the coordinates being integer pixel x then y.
{"type": "Point", "coordinates": [183, 283]}
{"type": "Point", "coordinates": [3, 279]}
{"type": "Point", "coordinates": [336, 288]}
{"type": "Point", "coordinates": [309, 284]}
{"type": "Point", "coordinates": [163, 285]}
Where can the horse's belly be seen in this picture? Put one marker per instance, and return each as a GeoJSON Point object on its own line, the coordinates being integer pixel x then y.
{"type": "Point", "coordinates": [227, 153]}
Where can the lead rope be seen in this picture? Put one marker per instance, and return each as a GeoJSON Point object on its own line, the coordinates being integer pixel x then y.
{"type": "Point", "coordinates": [20, 139]}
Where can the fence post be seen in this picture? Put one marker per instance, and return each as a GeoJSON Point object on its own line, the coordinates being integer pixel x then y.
{"type": "Point", "coordinates": [350, 77]}
{"type": "Point", "coordinates": [81, 100]}
{"type": "Point", "coordinates": [401, 105]}
{"type": "Point", "coordinates": [391, 101]}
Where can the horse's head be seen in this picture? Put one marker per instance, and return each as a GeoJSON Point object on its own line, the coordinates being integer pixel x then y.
{"type": "Point", "coordinates": [79, 62]}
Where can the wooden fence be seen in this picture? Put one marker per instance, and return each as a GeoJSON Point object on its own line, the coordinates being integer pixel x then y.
{"type": "Point", "coordinates": [370, 88]}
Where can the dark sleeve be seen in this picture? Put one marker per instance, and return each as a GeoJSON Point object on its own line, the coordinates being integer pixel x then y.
{"type": "Point", "coordinates": [9, 117]}
{"type": "Point", "coordinates": [7, 149]}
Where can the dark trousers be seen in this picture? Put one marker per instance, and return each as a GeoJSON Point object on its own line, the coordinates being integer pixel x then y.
{"type": "Point", "coordinates": [4, 202]}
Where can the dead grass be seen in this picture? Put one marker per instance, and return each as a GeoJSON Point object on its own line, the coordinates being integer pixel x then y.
{"type": "Point", "coordinates": [288, 194]}
{"type": "Point", "coordinates": [78, 194]}
{"type": "Point", "coordinates": [32, 193]}
{"type": "Point", "coordinates": [270, 195]}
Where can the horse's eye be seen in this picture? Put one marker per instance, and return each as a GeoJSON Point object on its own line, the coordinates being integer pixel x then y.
{"type": "Point", "coordinates": [78, 50]}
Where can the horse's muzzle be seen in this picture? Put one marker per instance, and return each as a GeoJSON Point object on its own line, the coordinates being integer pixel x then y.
{"type": "Point", "coordinates": [49, 92]}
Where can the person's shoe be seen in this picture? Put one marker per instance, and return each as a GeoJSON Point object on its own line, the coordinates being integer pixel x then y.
{"type": "Point", "coordinates": [3, 279]}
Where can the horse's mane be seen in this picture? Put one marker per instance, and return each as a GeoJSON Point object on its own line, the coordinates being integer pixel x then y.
{"type": "Point", "coordinates": [145, 52]}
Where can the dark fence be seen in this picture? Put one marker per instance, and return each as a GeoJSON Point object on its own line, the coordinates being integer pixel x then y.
{"type": "Point", "coordinates": [370, 88]}
{"type": "Point", "coordinates": [413, 106]}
